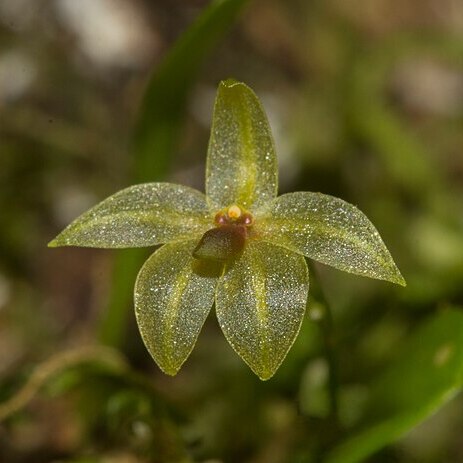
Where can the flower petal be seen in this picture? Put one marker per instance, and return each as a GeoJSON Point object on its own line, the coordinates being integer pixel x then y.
{"type": "Point", "coordinates": [241, 163]}
{"type": "Point", "coordinates": [141, 215]}
{"type": "Point", "coordinates": [260, 304]}
{"type": "Point", "coordinates": [173, 296]}
{"type": "Point", "coordinates": [331, 231]}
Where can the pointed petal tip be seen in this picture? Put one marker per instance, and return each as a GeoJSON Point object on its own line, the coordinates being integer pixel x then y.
{"type": "Point", "coordinates": [401, 280]}
{"type": "Point", "coordinates": [54, 243]}
{"type": "Point", "coordinates": [62, 240]}
{"type": "Point", "coordinates": [230, 82]}
{"type": "Point", "coordinates": [395, 276]}
{"type": "Point", "coordinates": [170, 371]}
{"type": "Point", "coordinates": [265, 376]}
{"type": "Point", "coordinates": [263, 372]}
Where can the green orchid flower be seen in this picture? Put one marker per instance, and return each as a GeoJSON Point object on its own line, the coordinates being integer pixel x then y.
{"type": "Point", "coordinates": [239, 245]}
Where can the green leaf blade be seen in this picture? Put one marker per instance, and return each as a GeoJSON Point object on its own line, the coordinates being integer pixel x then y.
{"type": "Point", "coordinates": [260, 304]}
{"type": "Point", "coordinates": [427, 373]}
{"type": "Point", "coordinates": [173, 296]}
{"type": "Point", "coordinates": [242, 164]}
{"type": "Point", "coordinates": [331, 231]}
{"type": "Point", "coordinates": [141, 215]}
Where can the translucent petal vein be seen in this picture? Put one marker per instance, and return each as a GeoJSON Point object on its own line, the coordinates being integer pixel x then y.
{"type": "Point", "coordinates": [141, 215]}
{"type": "Point", "coordinates": [173, 296]}
{"type": "Point", "coordinates": [260, 304]}
{"type": "Point", "coordinates": [331, 231]}
{"type": "Point", "coordinates": [241, 165]}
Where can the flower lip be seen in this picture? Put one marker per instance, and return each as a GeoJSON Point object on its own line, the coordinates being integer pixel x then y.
{"type": "Point", "coordinates": [222, 243]}
{"type": "Point", "coordinates": [227, 239]}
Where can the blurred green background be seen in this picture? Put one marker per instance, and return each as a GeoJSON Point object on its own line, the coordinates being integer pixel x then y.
{"type": "Point", "coordinates": [365, 99]}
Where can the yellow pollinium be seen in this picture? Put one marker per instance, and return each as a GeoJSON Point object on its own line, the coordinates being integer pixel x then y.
{"type": "Point", "coordinates": [234, 212]}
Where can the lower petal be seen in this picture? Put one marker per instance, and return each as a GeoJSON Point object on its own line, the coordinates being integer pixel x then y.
{"type": "Point", "coordinates": [173, 296]}
{"type": "Point", "coordinates": [261, 302]}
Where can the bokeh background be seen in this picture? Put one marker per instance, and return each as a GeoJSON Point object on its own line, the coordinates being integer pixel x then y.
{"type": "Point", "coordinates": [365, 99]}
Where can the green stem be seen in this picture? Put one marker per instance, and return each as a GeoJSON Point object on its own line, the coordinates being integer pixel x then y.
{"type": "Point", "coordinates": [324, 318]}
{"type": "Point", "coordinates": [330, 353]}
{"type": "Point", "coordinates": [112, 327]}
{"type": "Point", "coordinates": [53, 366]}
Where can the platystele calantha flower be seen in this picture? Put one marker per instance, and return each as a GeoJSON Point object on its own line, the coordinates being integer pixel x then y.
{"type": "Point", "coordinates": [256, 240]}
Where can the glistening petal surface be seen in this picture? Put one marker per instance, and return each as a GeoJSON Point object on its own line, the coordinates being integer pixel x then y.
{"type": "Point", "coordinates": [241, 163]}
{"type": "Point", "coordinates": [173, 296]}
{"type": "Point", "coordinates": [260, 304]}
{"type": "Point", "coordinates": [331, 231]}
{"type": "Point", "coordinates": [141, 215]}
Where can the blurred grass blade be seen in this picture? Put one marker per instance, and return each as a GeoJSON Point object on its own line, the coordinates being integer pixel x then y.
{"type": "Point", "coordinates": [156, 136]}
{"type": "Point", "coordinates": [410, 161]}
{"type": "Point", "coordinates": [427, 373]}
{"type": "Point", "coordinates": [53, 366]}
{"type": "Point", "coordinates": [165, 99]}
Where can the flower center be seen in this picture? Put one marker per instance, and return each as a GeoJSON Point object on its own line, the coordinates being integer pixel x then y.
{"type": "Point", "coordinates": [228, 238]}
{"type": "Point", "coordinates": [233, 215]}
